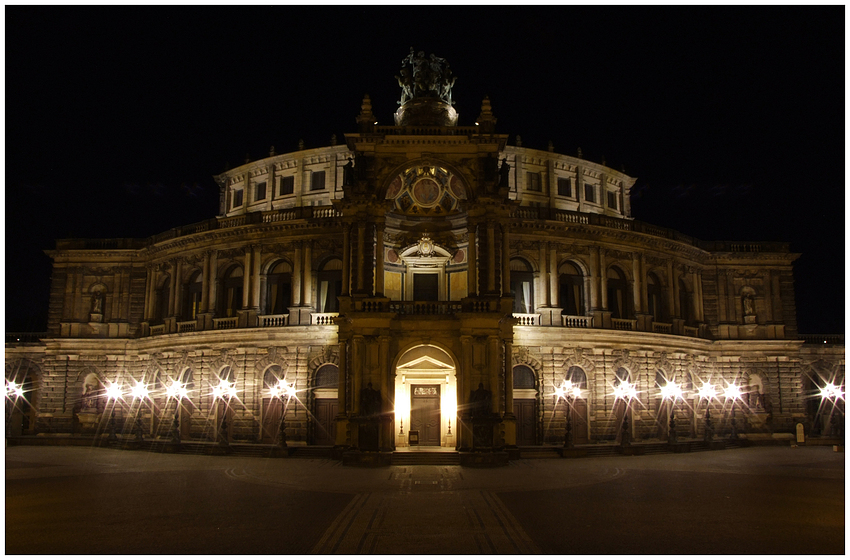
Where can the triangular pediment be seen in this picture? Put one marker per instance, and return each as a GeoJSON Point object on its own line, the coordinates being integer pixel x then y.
{"type": "Point", "coordinates": [426, 363]}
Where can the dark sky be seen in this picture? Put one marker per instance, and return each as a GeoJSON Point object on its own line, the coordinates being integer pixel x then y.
{"type": "Point", "coordinates": [732, 118]}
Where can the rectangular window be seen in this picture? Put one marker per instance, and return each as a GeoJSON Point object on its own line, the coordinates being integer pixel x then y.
{"type": "Point", "coordinates": [589, 193]}
{"type": "Point", "coordinates": [287, 185]}
{"type": "Point", "coordinates": [533, 181]}
{"type": "Point", "coordinates": [261, 191]}
{"type": "Point", "coordinates": [317, 181]}
{"type": "Point", "coordinates": [237, 198]}
{"type": "Point", "coordinates": [425, 287]}
{"type": "Point", "coordinates": [612, 200]}
{"type": "Point", "coordinates": [565, 186]}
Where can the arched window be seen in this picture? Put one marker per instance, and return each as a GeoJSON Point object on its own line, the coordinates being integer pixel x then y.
{"type": "Point", "coordinates": [618, 294]}
{"type": "Point", "coordinates": [230, 293]}
{"type": "Point", "coordinates": [192, 292]}
{"type": "Point", "coordinates": [686, 304]}
{"type": "Point", "coordinates": [523, 377]}
{"type": "Point", "coordinates": [655, 297]}
{"type": "Point", "coordinates": [329, 286]}
{"type": "Point", "coordinates": [522, 282]}
{"type": "Point", "coordinates": [279, 289]}
{"type": "Point", "coordinates": [571, 289]}
{"type": "Point", "coordinates": [272, 375]}
{"type": "Point", "coordinates": [621, 375]}
{"type": "Point", "coordinates": [327, 377]}
{"type": "Point", "coordinates": [226, 374]}
{"type": "Point", "coordinates": [163, 293]}
{"type": "Point", "coordinates": [577, 376]}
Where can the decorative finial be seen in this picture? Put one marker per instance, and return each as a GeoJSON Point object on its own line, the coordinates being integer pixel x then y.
{"type": "Point", "coordinates": [486, 120]}
{"type": "Point", "coordinates": [300, 145]}
{"type": "Point", "coordinates": [518, 141]}
{"type": "Point", "coordinates": [366, 119]}
{"type": "Point", "coordinates": [271, 151]}
{"type": "Point", "coordinates": [579, 152]}
{"type": "Point", "coordinates": [333, 139]}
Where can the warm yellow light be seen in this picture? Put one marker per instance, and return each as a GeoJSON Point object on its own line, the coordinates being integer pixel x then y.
{"type": "Point", "coordinates": [113, 391]}
{"type": "Point", "coordinates": [174, 390]}
{"type": "Point", "coordinates": [671, 391]}
{"type": "Point", "coordinates": [732, 392]}
{"type": "Point", "coordinates": [707, 391]}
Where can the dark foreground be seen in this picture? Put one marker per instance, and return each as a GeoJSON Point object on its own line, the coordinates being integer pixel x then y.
{"type": "Point", "coordinates": [770, 500]}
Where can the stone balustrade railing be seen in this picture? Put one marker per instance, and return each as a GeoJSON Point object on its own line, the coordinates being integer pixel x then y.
{"type": "Point", "coordinates": [273, 320]}
{"type": "Point", "coordinates": [157, 330]}
{"type": "Point", "coordinates": [691, 331]}
{"type": "Point", "coordinates": [187, 326]}
{"type": "Point", "coordinates": [226, 323]}
{"type": "Point", "coordinates": [527, 319]}
{"type": "Point", "coordinates": [662, 328]}
{"type": "Point", "coordinates": [624, 324]}
{"type": "Point", "coordinates": [577, 321]}
{"type": "Point", "coordinates": [323, 318]}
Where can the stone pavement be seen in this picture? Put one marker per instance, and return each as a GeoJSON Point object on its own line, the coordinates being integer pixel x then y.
{"type": "Point", "coordinates": [771, 500]}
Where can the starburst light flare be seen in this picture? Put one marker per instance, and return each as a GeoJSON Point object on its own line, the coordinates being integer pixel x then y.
{"type": "Point", "coordinates": [732, 392]}
{"type": "Point", "coordinates": [113, 391]}
{"type": "Point", "coordinates": [707, 391]}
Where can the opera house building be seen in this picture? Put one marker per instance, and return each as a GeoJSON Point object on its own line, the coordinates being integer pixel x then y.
{"type": "Point", "coordinates": [425, 285]}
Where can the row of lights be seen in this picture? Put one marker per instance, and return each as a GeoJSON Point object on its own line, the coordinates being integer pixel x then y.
{"type": "Point", "coordinates": [177, 390]}
{"type": "Point", "coordinates": [672, 391]}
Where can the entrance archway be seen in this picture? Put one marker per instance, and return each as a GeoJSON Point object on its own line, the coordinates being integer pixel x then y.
{"type": "Point", "coordinates": [426, 397]}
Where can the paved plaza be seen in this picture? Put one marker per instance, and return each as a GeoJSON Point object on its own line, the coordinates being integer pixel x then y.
{"type": "Point", "coordinates": [768, 500]}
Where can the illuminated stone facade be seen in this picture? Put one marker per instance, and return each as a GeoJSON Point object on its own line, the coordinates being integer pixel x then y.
{"type": "Point", "coordinates": [424, 277]}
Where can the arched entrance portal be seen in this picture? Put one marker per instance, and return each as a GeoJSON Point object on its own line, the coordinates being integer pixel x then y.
{"type": "Point", "coordinates": [426, 397]}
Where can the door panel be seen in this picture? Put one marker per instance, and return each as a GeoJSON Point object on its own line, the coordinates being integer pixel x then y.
{"type": "Point", "coordinates": [271, 419]}
{"type": "Point", "coordinates": [325, 432]}
{"type": "Point", "coordinates": [525, 411]}
{"type": "Point", "coordinates": [425, 418]}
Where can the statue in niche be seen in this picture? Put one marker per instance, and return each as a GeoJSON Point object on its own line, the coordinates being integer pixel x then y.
{"type": "Point", "coordinates": [480, 401]}
{"type": "Point", "coordinates": [748, 304]}
{"type": "Point", "coordinates": [370, 401]}
{"type": "Point", "coordinates": [504, 173]}
{"type": "Point", "coordinates": [90, 393]}
{"type": "Point", "coordinates": [97, 302]}
{"type": "Point", "coordinates": [348, 173]}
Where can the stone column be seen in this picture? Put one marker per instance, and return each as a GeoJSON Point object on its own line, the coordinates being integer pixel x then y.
{"type": "Point", "coordinates": [471, 260]}
{"type": "Point", "coordinates": [543, 278]}
{"type": "Point", "coordinates": [255, 277]}
{"type": "Point", "coordinates": [494, 367]}
{"type": "Point", "coordinates": [603, 279]}
{"type": "Point", "coordinates": [506, 261]}
{"type": "Point", "coordinates": [346, 259]}
{"type": "Point", "coordinates": [509, 379]}
{"type": "Point", "coordinates": [148, 293]}
{"type": "Point", "coordinates": [171, 289]}
{"type": "Point", "coordinates": [246, 278]}
{"type": "Point", "coordinates": [205, 284]}
{"type": "Point", "coordinates": [594, 279]}
{"type": "Point", "coordinates": [491, 257]}
{"type": "Point", "coordinates": [699, 308]}
{"type": "Point", "coordinates": [296, 276]}
{"type": "Point", "coordinates": [307, 284]}
{"type": "Point", "coordinates": [213, 280]}
{"type": "Point", "coordinates": [671, 292]}
{"type": "Point", "coordinates": [464, 428]}
{"type": "Point", "coordinates": [553, 275]}
{"type": "Point", "coordinates": [637, 284]}
{"type": "Point", "coordinates": [379, 259]}
{"type": "Point", "coordinates": [357, 372]}
{"type": "Point", "coordinates": [361, 257]}
{"type": "Point", "coordinates": [178, 287]}
{"type": "Point", "coordinates": [768, 297]}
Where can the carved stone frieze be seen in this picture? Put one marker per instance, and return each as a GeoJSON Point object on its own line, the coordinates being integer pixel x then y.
{"type": "Point", "coordinates": [576, 357]}
{"type": "Point", "coordinates": [223, 360]}
{"type": "Point", "coordinates": [627, 362]}
{"type": "Point", "coordinates": [275, 356]}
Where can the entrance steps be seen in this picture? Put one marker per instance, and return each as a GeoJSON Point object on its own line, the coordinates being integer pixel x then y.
{"type": "Point", "coordinates": [426, 458]}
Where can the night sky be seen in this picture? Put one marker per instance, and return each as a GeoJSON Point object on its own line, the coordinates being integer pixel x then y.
{"type": "Point", "coordinates": [731, 118]}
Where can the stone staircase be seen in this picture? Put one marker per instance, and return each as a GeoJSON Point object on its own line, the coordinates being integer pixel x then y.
{"type": "Point", "coordinates": [426, 458]}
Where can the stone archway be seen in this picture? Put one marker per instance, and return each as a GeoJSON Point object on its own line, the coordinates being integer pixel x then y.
{"type": "Point", "coordinates": [426, 397]}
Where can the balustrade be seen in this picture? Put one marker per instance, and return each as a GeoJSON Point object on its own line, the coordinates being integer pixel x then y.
{"type": "Point", "coordinates": [527, 319]}
{"type": "Point", "coordinates": [662, 328]}
{"type": "Point", "coordinates": [157, 330]}
{"type": "Point", "coordinates": [226, 323]}
{"type": "Point", "coordinates": [274, 320]}
{"type": "Point", "coordinates": [323, 318]}
{"type": "Point", "coordinates": [577, 321]}
{"type": "Point", "coordinates": [691, 331]}
{"type": "Point", "coordinates": [624, 324]}
{"type": "Point", "coordinates": [187, 326]}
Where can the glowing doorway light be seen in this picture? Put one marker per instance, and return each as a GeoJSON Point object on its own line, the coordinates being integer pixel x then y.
{"type": "Point", "coordinates": [176, 390]}
{"type": "Point", "coordinates": [831, 392]}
